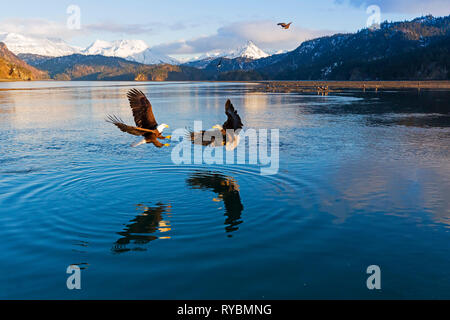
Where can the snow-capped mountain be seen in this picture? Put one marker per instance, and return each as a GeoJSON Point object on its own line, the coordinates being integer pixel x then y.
{"type": "Point", "coordinates": [148, 56]}
{"type": "Point", "coordinates": [249, 51]}
{"type": "Point", "coordinates": [274, 52]}
{"type": "Point", "coordinates": [211, 55]}
{"type": "Point", "coordinates": [133, 50]}
{"type": "Point", "coordinates": [119, 48]}
{"type": "Point", "coordinates": [46, 47]}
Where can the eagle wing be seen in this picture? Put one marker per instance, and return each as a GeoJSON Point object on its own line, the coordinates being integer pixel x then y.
{"type": "Point", "coordinates": [136, 131]}
{"type": "Point", "coordinates": [142, 110]}
{"type": "Point", "coordinates": [234, 120]}
{"type": "Point", "coordinates": [282, 24]}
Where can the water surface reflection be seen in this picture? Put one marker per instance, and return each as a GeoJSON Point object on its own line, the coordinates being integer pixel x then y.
{"type": "Point", "coordinates": [144, 228]}
{"type": "Point", "coordinates": [364, 178]}
{"type": "Point", "coordinates": [227, 190]}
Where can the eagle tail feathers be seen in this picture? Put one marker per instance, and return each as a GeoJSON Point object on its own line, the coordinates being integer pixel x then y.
{"type": "Point", "coordinates": [134, 145]}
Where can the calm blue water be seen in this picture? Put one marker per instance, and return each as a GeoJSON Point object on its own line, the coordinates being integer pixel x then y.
{"type": "Point", "coordinates": [364, 180]}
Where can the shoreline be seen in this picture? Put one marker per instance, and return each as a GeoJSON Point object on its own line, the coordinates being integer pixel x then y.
{"type": "Point", "coordinates": [337, 86]}
{"type": "Point", "coordinates": [305, 85]}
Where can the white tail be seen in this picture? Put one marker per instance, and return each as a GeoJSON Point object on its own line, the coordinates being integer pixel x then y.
{"type": "Point", "coordinates": [230, 146]}
{"type": "Point", "coordinates": [134, 145]}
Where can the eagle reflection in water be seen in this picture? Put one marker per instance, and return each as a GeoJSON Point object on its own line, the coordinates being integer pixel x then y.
{"type": "Point", "coordinates": [227, 190]}
{"type": "Point", "coordinates": [142, 229]}
{"type": "Point", "coordinates": [154, 222]}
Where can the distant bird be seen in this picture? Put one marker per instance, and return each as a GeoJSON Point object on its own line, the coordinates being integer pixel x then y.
{"type": "Point", "coordinates": [220, 64]}
{"type": "Point", "coordinates": [228, 132]}
{"type": "Point", "coordinates": [146, 124]}
{"type": "Point", "coordinates": [284, 25]}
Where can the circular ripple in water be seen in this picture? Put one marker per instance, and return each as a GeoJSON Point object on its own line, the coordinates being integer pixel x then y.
{"type": "Point", "coordinates": [126, 207]}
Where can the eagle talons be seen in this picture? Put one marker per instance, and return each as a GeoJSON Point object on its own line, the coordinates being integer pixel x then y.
{"type": "Point", "coordinates": [169, 137]}
{"type": "Point", "coordinates": [167, 145]}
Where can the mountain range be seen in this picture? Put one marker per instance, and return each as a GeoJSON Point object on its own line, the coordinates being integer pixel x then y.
{"type": "Point", "coordinates": [19, 44]}
{"type": "Point", "coordinates": [248, 51]}
{"type": "Point", "coordinates": [133, 50]}
{"type": "Point", "coordinates": [416, 49]}
{"type": "Point", "coordinates": [407, 50]}
{"type": "Point", "coordinates": [97, 67]}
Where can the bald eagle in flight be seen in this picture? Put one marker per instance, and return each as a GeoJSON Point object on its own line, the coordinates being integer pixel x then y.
{"type": "Point", "coordinates": [285, 25]}
{"type": "Point", "coordinates": [146, 124]}
{"type": "Point", "coordinates": [226, 134]}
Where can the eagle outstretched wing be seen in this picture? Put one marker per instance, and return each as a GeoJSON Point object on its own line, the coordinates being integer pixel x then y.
{"type": "Point", "coordinates": [136, 131]}
{"type": "Point", "coordinates": [234, 120]}
{"type": "Point", "coordinates": [284, 25]}
{"type": "Point", "coordinates": [218, 137]}
{"type": "Point", "coordinates": [142, 110]}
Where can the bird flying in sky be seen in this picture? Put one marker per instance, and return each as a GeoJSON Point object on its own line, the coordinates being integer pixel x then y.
{"type": "Point", "coordinates": [285, 25]}
{"type": "Point", "coordinates": [146, 124]}
{"type": "Point", "coordinates": [226, 134]}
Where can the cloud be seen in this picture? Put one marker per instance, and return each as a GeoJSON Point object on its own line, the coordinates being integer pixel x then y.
{"type": "Point", "coordinates": [120, 28]}
{"type": "Point", "coordinates": [53, 29]}
{"type": "Point", "coordinates": [265, 34]}
{"type": "Point", "coordinates": [38, 28]}
{"type": "Point", "coordinates": [417, 7]}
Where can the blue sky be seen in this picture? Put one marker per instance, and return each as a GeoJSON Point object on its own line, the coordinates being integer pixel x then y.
{"type": "Point", "coordinates": [186, 28]}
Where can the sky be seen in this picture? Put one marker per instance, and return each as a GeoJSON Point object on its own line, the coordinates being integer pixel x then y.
{"type": "Point", "coordinates": [184, 29]}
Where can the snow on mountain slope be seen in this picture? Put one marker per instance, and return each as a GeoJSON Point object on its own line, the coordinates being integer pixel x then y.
{"type": "Point", "coordinates": [119, 48]}
{"type": "Point", "coordinates": [133, 50]}
{"type": "Point", "coordinates": [46, 47]}
{"type": "Point", "coordinates": [149, 56]}
{"type": "Point", "coordinates": [249, 50]}
{"type": "Point", "coordinates": [211, 55]}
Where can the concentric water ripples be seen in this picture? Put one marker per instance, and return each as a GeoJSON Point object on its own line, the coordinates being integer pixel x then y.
{"type": "Point", "coordinates": [72, 191]}
{"type": "Point", "coordinates": [136, 204]}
